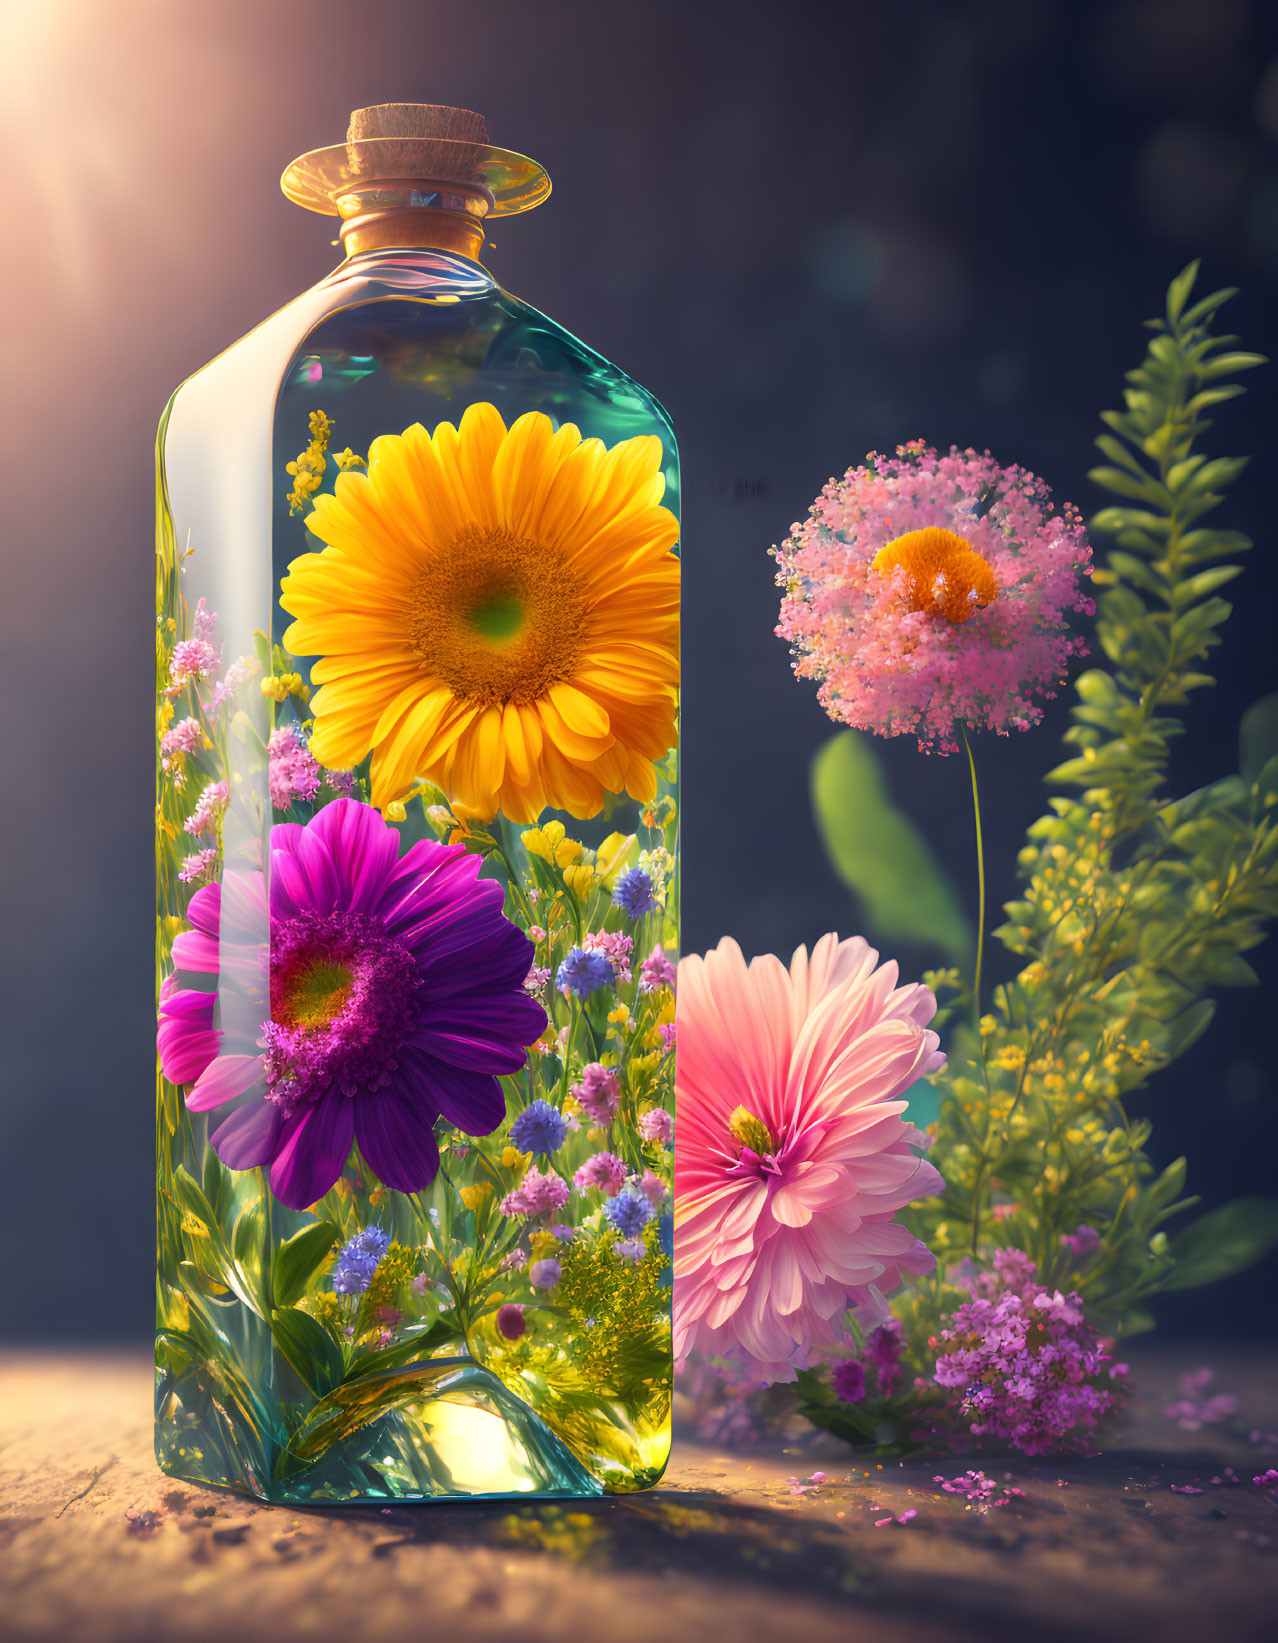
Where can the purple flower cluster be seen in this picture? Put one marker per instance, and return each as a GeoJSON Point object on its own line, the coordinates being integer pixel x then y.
{"type": "Point", "coordinates": [633, 893]}
{"type": "Point", "coordinates": [359, 1260]}
{"type": "Point", "coordinates": [584, 973]}
{"type": "Point", "coordinates": [1030, 1368]}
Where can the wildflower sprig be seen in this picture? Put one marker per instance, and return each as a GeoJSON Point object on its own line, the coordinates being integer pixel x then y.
{"type": "Point", "coordinates": [1135, 906]}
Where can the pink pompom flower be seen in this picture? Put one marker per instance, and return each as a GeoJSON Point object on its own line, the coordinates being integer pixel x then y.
{"type": "Point", "coordinates": [928, 592]}
{"type": "Point", "coordinates": [598, 1093]}
{"type": "Point", "coordinates": [605, 1171]}
{"type": "Point", "coordinates": [794, 1155]}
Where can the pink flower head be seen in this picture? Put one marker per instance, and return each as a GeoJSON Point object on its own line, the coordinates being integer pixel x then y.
{"type": "Point", "coordinates": [656, 971]}
{"type": "Point", "coordinates": [537, 1194]}
{"type": "Point", "coordinates": [1082, 1241]}
{"type": "Point", "coordinates": [294, 773]}
{"type": "Point", "coordinates": [605, 1171]}
{"type": "Point", "coordinates": [598, 1093]}
{"type": "Point", "coordinates": [926, 592]}
{"type": "Point", "coordinates": [657, 1125]}
{"type": "Point", "coordinates": [793, 1155]}
{"type": "Point", "coordinates": [615, 947]}
{"type": "Point", "coordinates": [243, 668]}
{"type": "Point", "coordinates": [199, 657]}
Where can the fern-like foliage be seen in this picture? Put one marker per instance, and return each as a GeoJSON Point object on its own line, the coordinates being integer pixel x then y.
{"type": "Point", "coordinates": [1136, 905]}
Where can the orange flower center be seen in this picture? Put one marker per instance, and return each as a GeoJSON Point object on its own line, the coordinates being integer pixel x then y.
{"type": "Point", "coordinates": [497, 617]}
{"type": "Point", "coordinates": [944, 574]}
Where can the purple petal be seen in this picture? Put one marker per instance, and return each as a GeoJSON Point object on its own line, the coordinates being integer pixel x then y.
{"type": "Point", "coordinates": [186, 1038]}
{"type": "Point", "coordinates": [222, 1080]}
{"type": "Point", "coordinates": [250, 1136]}
{"type": "Point", "coordinates": [473, 1102]}
{"type": "Point", "coordinates": [476, 1053]}
{"type": "Point", "coordinates": [365, 847]}
{"type": "Point", "coordinates": [312, 1157]}
{"type": "Point", "coordinates": [397, 1138]}
{"type": "Point", "coordinates": [196, 950]}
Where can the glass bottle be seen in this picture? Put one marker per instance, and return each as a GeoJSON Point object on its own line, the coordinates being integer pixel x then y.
{"type": "Point", "coordinates": [417, 871]}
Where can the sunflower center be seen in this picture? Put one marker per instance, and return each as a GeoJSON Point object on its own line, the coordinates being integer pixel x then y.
{"type": "Point", "coordinates": [944, 574]}
{"type": "Point", "coordinates": [498, 617]}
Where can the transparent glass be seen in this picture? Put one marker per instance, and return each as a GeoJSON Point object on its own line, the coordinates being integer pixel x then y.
{"type": "Point", "coordinates": [417, 880]}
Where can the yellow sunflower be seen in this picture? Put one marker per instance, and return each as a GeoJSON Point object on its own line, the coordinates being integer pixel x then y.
{"type": "Point", "coordinates": [496, 611]}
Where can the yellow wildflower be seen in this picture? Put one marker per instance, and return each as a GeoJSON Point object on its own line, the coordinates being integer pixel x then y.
{"type": "Point", "coordinates": [612, 856]}
{"type": "Point", "coordinates": [580, 879]}
{"type": "Point", "coordinates": [348, 459]}
{"type": "Point", "coordinates": [474, 1197]}
{"type": "Point", "coordinates": [512, 1158]}
{"type": "Point", "coordinates": [542, 1244]}
{"type": "Point", "coordinates": [620, 1016]}
{"type": "Point", "coordinates": [395, 812]}
{"type": "Point", "coordinates": [549, 843]}
{"type": "Point", "coordinates": [279, 686]}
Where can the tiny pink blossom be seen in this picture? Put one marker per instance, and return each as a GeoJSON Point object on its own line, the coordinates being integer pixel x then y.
{"type": "Point", "coordinates": [196, 869]}
{"type": "Point", "coordinates": [537, 1194]}
{"type": "Point", "coordinates": [651, 1186]}
{"type": "Point", "coordinates": [615, 947]}
{"type": "Point", "coordinates": [657, 1125]}
{"type": "Point", "coordinates": [208, 807]}
{"type": "Point", "coordinates": [294, 772]}
{"type": "Point", "coordinates": [193, 659]}
{"type": "Point", "coordinates": [598, 1093]}
{"type": "Point", "coordinates": [187, 736]}
{"type": "Point", "coordinates": [605, 1171]}
{"type": "Point", "coordinates": [656, 971]}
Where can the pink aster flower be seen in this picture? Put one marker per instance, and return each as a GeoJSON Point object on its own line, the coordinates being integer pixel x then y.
{"type": "Point", "coordinates": [794, 1155]}
{"type": "Point", "coordinates": [605, 1171]}
{"type": "Point", "coordinates": [598, 1092]}
{"type": "Point", "coordinates": [925, 592]}
{"type": "Point", "coordinates": [651, 1186]}
{"type": "Point", "coordinates": [656, 971]}
{"type": "Point", "coordinates": [537, 1194]}
{"type": "Point", "coordinates": [193, 659]}
{"type": "Point", "coordinates": [294, 773]}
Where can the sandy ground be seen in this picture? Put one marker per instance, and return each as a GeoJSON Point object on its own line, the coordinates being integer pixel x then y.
{"type": "Point", "coordinates": [97, 1547]}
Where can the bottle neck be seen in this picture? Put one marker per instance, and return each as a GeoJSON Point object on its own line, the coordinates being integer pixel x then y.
{"type": "Point", "coordinates": [416, 228]}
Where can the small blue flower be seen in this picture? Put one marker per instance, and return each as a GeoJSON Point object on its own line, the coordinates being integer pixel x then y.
{"type": "Point", "coordinates": [539, 1128]}
{"type": "Point", "coordinates": [633, 893]}
{"type": "Point", "coordinates": [629, 1212]}
{"type": "Point", "coordinates": [584, 973]}
{"type": "Point", "coordinates": [358, 1261]}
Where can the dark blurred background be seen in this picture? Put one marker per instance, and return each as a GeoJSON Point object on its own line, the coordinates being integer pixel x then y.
{"type": "Point", "coordinates": [812, 230]}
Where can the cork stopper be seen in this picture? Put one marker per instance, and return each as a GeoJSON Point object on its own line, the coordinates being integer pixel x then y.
{"type": "Point", "coordinates": [417, 122]}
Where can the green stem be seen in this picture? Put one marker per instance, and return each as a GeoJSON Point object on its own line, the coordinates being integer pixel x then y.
{"type": "Point", "coordinates": [980, 886]}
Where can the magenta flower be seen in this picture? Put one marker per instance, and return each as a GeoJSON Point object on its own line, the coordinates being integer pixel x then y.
{"type": "Point", "coordinates": [657, 1125]}
{"type": "Point", "coordinates": [395, 993]}
{"type": "Point", "coordinates": [926, 592]}
{"type": "Point", "coordinates": [656, 971]}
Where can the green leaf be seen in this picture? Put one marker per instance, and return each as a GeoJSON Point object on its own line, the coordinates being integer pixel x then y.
{"type": "Point", "coordinates": [192, 1198]}
{"type": "Point", "coordinates": [880, 854]}
{"type": "Point", "coordinates": [1228, 1240]}
{"type": "Point", "coordinates": [1258, 736]}
{"type": "Point", "coordinates": [309, 1349]}
{"type": "Point", "coordinates": [1178, 291]}
{"type": "Point", "coordinates": [297, 1258]}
